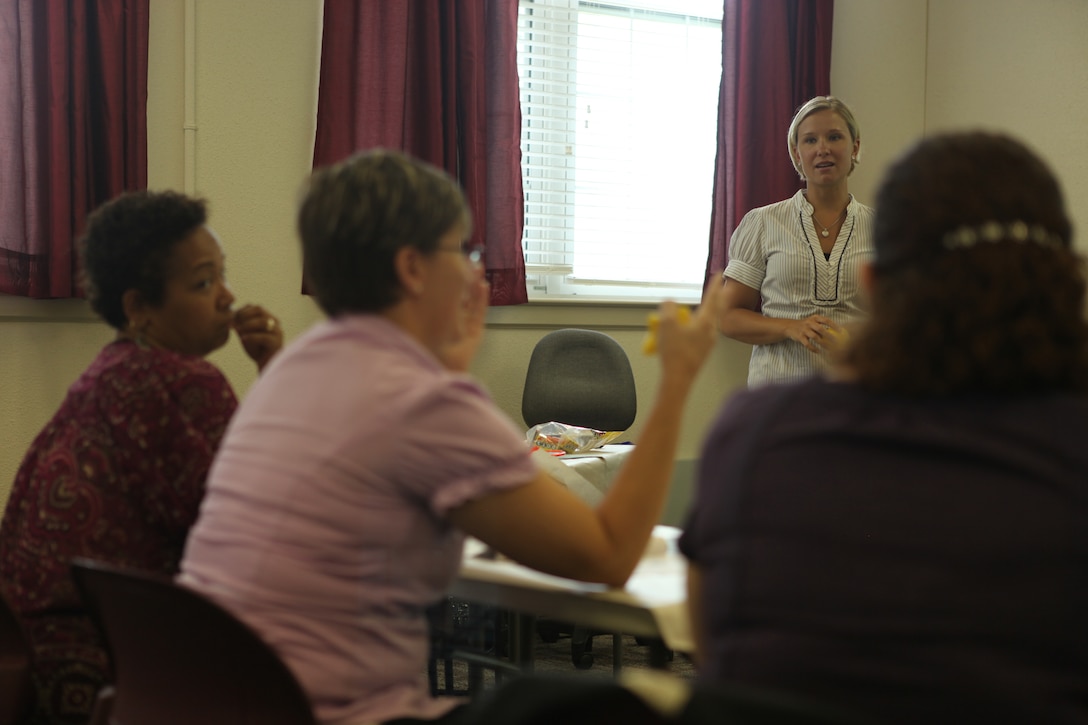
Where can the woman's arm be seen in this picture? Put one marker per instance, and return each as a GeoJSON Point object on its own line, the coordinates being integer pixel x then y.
{"type": "Point", "coordinates": [184, 407]}
{"type": "Point", "coordinates": [740, 321]}
{"type": "Point", "coordinates": [546, 527]}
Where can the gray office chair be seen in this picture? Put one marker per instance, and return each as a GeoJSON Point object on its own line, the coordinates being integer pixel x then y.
{"type": "Point", "coordinates": [577, 377]}
{"type": "Point", "coordinates": [583, 378]}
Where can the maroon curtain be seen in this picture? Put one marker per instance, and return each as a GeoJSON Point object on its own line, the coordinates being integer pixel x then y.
{"type": "Point", "coordinates": [73, 126]}
{"type": "Point", "coordinates": [437, 79]}
{"type": "Point", "coordinates": [776, 54]}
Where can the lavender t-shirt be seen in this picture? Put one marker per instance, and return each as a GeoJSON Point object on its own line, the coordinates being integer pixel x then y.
{"type": "Point", "coordinates": [324, 523]}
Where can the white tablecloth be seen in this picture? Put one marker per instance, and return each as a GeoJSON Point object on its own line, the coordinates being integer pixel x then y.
{"type": "Point", "coordinates": [588, 475]}
{"type": "Point", "coordinates": [658, 588]}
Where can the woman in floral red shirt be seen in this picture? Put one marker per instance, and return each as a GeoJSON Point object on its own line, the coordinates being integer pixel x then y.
{"type": "Point", "coordinates": [118, 473]}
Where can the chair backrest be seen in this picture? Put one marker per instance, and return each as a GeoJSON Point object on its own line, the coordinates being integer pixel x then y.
{"type": "Point", "coordinates": [579, 377]}
{"type": "Point", "coordinates": [180, 658]}
{"type": "Point", "coordinates": [16, 657]}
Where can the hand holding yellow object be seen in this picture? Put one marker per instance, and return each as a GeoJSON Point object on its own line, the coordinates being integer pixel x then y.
{"type": "Point", "coordinates": [841, 335]}
{"type": "Point", "coordinates": [649, 343]}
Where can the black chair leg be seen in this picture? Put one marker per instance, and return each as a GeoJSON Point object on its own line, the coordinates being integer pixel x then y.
{"type": "Point", "coordinates": [660, 655]}
{"type": "Point", "coordinates": [581, 648]}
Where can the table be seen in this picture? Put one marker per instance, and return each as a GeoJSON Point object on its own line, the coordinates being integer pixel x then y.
{"type": "Point", "coordinates": [587, 475]}
{"type": "Point", "coordinates": [653, 604]}
{"type": "Point", "coordinates": [600, 465]}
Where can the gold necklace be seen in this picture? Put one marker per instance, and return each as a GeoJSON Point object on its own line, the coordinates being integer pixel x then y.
{"type": "Point", "coordinates": [826, 230]}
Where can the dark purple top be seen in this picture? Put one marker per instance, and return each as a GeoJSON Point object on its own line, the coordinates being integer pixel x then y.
{"type": "Point", "coordinates": [913, 560]}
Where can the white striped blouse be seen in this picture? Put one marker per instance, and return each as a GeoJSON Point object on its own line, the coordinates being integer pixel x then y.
{"type": "Point", "coordinates": [776, 250]}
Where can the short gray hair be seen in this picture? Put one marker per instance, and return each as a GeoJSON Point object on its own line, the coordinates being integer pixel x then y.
{"type": "Point", "coordinates": [356, 215]}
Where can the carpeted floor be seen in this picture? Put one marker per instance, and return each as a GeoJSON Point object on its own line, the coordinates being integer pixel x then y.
{"type": "Point", "coordinates": [557, 656]}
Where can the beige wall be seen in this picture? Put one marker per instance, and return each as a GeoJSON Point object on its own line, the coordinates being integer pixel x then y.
{"type": "Point", "coordinates": [231, 117]}
{"type": "Point", "coordinates": [1017, 67]}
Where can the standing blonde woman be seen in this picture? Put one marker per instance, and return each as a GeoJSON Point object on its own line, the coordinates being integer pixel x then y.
{"type": "Point", "coordinates": [792, 278]}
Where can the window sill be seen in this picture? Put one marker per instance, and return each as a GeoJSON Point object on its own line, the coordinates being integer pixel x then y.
{"type": "Point", "coordinates": [580, 312]}
{"type": "Point", "coordinates": [23, 309]}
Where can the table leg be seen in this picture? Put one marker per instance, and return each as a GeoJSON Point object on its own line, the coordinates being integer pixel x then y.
{"type": "Point", "coordinates": [522, 631]}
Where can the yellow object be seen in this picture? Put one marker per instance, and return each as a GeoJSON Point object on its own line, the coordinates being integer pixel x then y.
{"type": "Point", "coordinates": [840, 336]}
{"type": "Point", "coordinates": [649, 343]}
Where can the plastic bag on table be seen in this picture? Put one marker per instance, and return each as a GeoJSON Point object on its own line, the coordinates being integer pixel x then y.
{"type": "Point", "coordinates": [568, 438]}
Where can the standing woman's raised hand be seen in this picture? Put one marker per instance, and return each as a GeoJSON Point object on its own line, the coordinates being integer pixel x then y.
{"type": "Point", "coordinates": [260, 333]}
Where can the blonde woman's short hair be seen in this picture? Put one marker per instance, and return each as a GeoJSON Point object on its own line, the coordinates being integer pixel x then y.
{"type": "Point", "coordinates": [822, 103]}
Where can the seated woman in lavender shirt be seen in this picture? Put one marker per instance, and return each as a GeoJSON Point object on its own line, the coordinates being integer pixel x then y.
{"type": "Point", "coordinates": [337, 506]}
{"type": "Point", "coordinates": [907, 540]}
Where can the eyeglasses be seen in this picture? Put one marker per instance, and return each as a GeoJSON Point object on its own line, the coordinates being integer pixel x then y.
{"type": "Point", "coordinates": [473, 253]}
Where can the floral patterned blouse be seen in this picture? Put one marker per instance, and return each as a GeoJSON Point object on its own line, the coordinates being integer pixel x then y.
{"type": "Point", "coordinates": [116, 475]}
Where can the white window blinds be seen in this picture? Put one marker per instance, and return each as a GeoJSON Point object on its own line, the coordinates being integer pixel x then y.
{"type": "Point", "coordinates": [619, 120]}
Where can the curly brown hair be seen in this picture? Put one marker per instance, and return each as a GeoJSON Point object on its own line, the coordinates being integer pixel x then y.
{"type": "Point", "coordinates": [127, 245]}
{"type": "Point", "coordinates": [1004, 314]}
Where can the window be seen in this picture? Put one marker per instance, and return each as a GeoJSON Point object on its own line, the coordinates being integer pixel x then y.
{"type": "Point", "coordinates": [619, 122]}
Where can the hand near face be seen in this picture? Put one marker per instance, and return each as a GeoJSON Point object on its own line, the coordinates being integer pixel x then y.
{"type": "Point", "coordinates": [458, 356]}
{"type": "Point", "coordinates": [260, 333]}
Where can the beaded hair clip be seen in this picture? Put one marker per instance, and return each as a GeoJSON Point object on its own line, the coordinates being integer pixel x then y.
{"type": "Point", "coordinates": [1017, 231]}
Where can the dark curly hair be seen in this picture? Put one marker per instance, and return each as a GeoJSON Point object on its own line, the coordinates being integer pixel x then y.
{"type": "Point", "coordinates": [127, 245]}
{"type": "Point", "coordinates": [356, 215]}
{"type": "Point", "coordinates": [1004, 314]}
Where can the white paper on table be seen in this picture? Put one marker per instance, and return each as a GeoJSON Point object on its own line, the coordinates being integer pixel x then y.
{"type": "Point", "coordinates": [658, 584]}
{"type": "Point", "coordinates": [569, 476]}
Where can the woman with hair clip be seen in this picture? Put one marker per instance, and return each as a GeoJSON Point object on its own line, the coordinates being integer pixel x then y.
{"type": "Point", "coordinates": [792, 278]}
{"type": "Point", "coordinates": [906, 540]}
